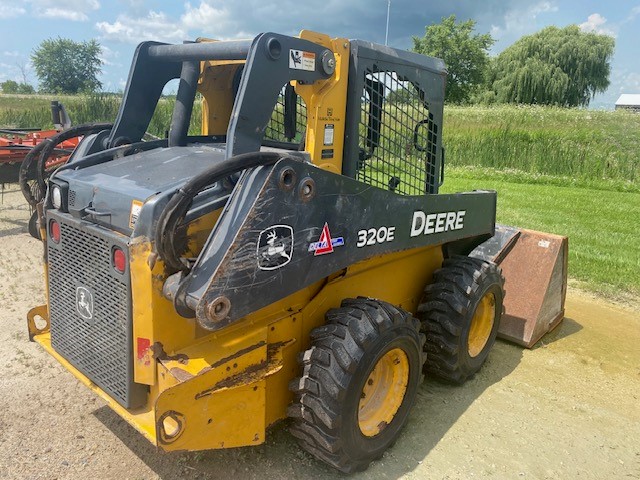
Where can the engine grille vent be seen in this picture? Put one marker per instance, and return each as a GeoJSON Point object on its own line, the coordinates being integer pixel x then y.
{"type": "Point", "coordinates": [90, 312]}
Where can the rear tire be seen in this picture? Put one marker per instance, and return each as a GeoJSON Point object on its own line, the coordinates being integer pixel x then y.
{"type": "Point", "coordinates": [460, 315]}
{"type": "Point", "coordinates": [34, 229]}
{"type": "Point", "coordinates": [358, 384]}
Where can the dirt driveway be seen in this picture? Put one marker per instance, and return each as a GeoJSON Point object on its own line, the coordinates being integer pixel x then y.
{"type": "Point", "coordinates": [569, 408]}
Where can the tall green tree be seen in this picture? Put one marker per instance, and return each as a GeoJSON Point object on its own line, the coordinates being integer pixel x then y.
{"type": "Point", "coordinates": [65, 66]}
{"type": "Point", "coordinates": [556, 66]}
{"type": "Point", "coordinates": [465, 53]}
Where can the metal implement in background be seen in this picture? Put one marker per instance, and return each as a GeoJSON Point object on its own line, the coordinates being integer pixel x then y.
{"type": "Point", "coordinates": [17, 143]}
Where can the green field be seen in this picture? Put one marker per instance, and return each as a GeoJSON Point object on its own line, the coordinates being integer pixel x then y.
{"type": "Point", "coordinates": [34, 111]}
{"type": "Point", "coordinates": [598, 149]}
{"type": "Point", "coordinates": [566, 171]}
{"type": "Point", "coordinates": [602, 226]}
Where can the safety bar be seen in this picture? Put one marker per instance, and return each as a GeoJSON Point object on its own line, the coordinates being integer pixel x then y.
{"type": "Point", "coordinates": [229, 50]}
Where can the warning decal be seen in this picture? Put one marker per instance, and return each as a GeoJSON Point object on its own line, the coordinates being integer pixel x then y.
{"type": "Point", "coordinates": [136, 206]}
{"type": "Point", "coordinates": [301, 60]}
{"type": "Point", "coordinates": [328, 134]}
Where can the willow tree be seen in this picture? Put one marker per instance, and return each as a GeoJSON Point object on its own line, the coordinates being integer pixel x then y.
{"type": "Point", "coordinates": [556, 66]}
{"type": "Point", "coordinates": [464, 52]}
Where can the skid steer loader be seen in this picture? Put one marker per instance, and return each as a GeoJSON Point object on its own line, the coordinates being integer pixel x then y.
{"type": "Point", "coordinates": [294, 259]}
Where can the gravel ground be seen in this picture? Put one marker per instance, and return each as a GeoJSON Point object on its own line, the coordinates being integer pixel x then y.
{"type": "Point", "coordinates": [569, 408]}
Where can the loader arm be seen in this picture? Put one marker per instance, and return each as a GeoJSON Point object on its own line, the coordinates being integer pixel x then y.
{"type": "Point", "coordinates": [309, 213]}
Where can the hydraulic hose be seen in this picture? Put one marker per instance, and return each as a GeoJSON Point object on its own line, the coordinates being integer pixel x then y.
{"type": "Point", "coordinates": [84, 129]}
{"type": "Point", "coordinates": [175, 211]}
{"type": "Point", "coordinates": [32, 193]}
{"type": "Point", "coordinates": [32, 169]}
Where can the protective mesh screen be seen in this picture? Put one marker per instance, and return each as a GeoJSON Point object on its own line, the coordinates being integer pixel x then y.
{"type": "Point", "coordinates": [98, 347]}
{"type": "Point", "coordinates": [397, 136]}
{"type": "Point", "coordinates": [289, 118]}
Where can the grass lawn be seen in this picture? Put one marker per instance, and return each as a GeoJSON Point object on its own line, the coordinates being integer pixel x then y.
{"type": "Point", "coordinates": [602, 226]}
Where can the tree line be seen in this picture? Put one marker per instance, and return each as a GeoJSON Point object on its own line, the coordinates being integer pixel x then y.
{"type": "Point", "coordinates": [555, 66]}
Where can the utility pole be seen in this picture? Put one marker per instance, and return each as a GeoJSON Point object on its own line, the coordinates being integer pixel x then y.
{"type": "Point", "coordinates": [386, 35]}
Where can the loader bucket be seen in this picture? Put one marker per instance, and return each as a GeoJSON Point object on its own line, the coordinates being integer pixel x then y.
{"type": "Point", "coordinates": [534, 265]}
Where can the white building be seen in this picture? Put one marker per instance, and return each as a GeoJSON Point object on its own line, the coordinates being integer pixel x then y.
{"type": "Point", "coordinates": [628, 101]}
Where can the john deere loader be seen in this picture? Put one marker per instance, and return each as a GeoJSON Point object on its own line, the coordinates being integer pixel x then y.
{"type": "Point", "coordinates": [292, 259]}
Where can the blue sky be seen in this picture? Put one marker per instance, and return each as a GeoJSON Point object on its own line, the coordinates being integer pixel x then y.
{"type": "Point", "coordinates": [120, 24]}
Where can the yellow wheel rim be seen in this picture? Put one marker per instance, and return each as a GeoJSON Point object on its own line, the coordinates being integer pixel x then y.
{"type": "Point", "coordinates": [482, 324]}
{"type": "Point", "coordinates": [383, 392]}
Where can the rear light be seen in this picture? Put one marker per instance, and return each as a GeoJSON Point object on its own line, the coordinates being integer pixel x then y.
{"type": "Point", "coordinates": [54, 231]}
{"type": "Point", "coordinates": [119, 260]}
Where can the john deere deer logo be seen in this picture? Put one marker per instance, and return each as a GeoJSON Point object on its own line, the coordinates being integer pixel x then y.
{"type": "Point", "coordinates": [275, 247]}
{"type": "Point", "coordinates": [84, 303]}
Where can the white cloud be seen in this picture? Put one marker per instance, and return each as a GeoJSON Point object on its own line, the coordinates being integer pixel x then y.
{"type": "Point", "coordinates": [635, 11]}
{"type": "Point", "coordinates": [198, 20]}
{"type": "Point", "coordinates": [596, 24]}
{"type": "Point", "coordinates": [520, 21]}
{"type": "Point", "coordinates": [12, 53]}
{"type": "Point", "coordinates": [203, 16]}
{"type": "Point", "coordinates": [10, 10]}
{"type": "Point", "coordinates": [543, 7]}
{"type": "Point", "coordinates": [107, 56]}
{"type": "Point", "coordinates": [74, 10]}
{"type": "Point", "coordinates": [629, 82]}
{"type": "Point", "coordinates": [155, 26]}
{"type": "Point", "coordinates": [64, 14]}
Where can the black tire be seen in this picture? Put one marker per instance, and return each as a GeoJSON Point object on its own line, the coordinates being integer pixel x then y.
{"type": "Point", "coordinates": [455, 312]}
{"type": "Point", "coordinates": [42, 174]}
{"type": "Point", "coordinates": [27, 176]}
{"type": "Point", "coordinates": [34, 229]}
{"type": "Point", "coordinates": [331, 394]}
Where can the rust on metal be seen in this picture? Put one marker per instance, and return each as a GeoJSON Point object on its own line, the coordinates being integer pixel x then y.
{"type": "Point", "coordinates": [218, 309]}
{"type": "Point", "coordinates": [274, 348]}
{"type": "Point", "coordinates": [180, 374]}
{"type": "Point", "coordinates": [41, 311]}
{"type": "Point", "coordinates": [233, 356]}
{"type": "Point", "coordinates": [249, 375]}
{"type": "Point", "coordinates": [252, 373]}
{"type": "Point", "coordinates": [165, 437]}
{"type": "Point", "coordinates": [534, 265]}
{"type": "Point", "coordinates": [160, 354]}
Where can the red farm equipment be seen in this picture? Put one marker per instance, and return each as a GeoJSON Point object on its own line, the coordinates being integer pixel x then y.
{"type": "Point", "coordinates": [28, 156]}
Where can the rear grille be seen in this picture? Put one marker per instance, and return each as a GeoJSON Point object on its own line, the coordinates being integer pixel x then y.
{"type": "Point", "coordinates": [90, 311]}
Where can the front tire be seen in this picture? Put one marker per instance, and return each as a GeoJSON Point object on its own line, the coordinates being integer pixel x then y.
{"type": "Point", "coordinates": [460, 315]}
{"type": "Point", "coordinates": [358, 384]}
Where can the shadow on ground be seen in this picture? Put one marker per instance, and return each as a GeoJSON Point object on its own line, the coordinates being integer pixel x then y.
{"type": "Point", "coordinates": [22, 226]}
{"type": "Point", "coordinates": [567, 327]}
{"type": "Point", "coordinates": [437, 408]}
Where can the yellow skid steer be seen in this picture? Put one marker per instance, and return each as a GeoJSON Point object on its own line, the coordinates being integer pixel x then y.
{"type": "Point", "coordinates": [294, 259]}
